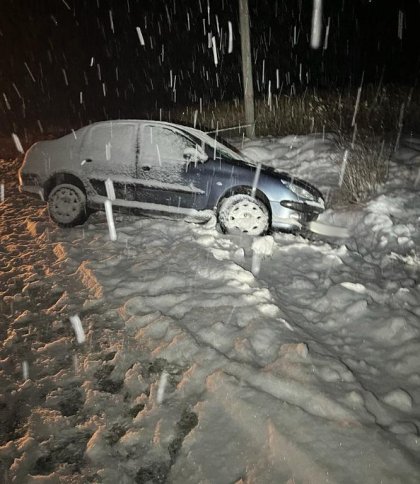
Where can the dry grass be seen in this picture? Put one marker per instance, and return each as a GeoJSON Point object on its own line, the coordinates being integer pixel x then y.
{"type": "Point", "coordinates": [380, 111]}
{"type": "Point", "coordinates": [363, 169]}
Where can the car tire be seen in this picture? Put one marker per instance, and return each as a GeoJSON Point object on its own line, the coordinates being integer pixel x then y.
{"type": "Point", "coordinates": [67, 205]}
{"type": "Point", "coordinates": [242, 213]}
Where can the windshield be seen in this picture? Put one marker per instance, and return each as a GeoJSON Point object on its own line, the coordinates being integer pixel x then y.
{"type": "Point", "coordinates": [221, 141]}
{"type": "Point", "coordinates": [220, 147]}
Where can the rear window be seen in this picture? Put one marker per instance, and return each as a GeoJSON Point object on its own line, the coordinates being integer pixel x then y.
{"type": "Point", "coordinates": [110, 140]}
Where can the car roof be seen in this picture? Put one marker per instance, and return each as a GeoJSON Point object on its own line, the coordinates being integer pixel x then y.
{"type": "Point", "coordinates": [202, 135]}
{"type": "Point", "coordinates": [144, 121]}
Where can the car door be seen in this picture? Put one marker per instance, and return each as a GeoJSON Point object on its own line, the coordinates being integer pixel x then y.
{"type": "Point", "coordinates": [165, 173]}
{"type": "Point", "coordinates": [109, 151]}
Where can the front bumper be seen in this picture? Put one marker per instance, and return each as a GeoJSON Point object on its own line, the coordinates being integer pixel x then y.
{"type": "Point", "coordinates": [294, 215]}
{"type": "Point", "coordinates": [306, 208]}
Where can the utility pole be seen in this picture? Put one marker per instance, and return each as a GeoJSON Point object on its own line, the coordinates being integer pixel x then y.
{"type": "Point", "coordinates": [247, 68]}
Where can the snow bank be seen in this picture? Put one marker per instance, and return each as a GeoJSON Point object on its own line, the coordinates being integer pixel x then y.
{"type": "Point", "coordinates": [214, 358]}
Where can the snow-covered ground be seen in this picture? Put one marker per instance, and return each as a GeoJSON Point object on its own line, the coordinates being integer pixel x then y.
{"type": "Point", "coordinates": [212, 358]}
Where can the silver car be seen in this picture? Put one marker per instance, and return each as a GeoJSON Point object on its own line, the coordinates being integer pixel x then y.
{"type": "Point", "coordinates": [165, 168]}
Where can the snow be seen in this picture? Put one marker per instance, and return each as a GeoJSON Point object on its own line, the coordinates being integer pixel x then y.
{"type": "Point", "coordinates": [214, 358]}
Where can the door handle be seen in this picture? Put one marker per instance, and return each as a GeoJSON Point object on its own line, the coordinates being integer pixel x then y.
{"type": "Point", "coordinates": [86, 160]}
{"type": "Point", "coordinates": [145, 168]}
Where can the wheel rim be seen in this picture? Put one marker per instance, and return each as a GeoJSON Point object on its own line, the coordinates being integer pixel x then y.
{"type": "Point", "coordinates": [65, 205]}
{"type": "Point", "coordinates": [246, 217]}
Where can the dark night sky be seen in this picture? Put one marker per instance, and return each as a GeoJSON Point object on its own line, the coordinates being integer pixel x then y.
{"type": "Point", "coordinates": [83, 60]}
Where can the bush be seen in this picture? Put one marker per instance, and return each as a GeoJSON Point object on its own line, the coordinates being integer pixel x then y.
{"type": "Point", "coordinates": [363, 169]}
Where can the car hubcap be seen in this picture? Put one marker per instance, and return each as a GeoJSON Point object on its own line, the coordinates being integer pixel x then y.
{"type": "Point", "coordinates": [247, 217]}
{"type": "Point", "coordinates": [65, 205]}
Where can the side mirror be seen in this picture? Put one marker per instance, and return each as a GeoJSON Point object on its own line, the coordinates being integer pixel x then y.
{"type": "Point", "coordinates": [193, 155]}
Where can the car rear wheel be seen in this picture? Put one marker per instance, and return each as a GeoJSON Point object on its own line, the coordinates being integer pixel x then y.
{"type": "Point", "coordinates": [67, 205]}
{"type": "Point", "coordinates": [242, 213]}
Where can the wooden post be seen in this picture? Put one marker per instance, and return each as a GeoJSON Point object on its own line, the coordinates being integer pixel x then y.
{"type": "Point", "coordinates": [247, 68]}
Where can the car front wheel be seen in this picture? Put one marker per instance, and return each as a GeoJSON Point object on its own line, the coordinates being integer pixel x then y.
{"type": "Point", "coordinates": [67, 205]}
{"type": "Point", "coordinates": [242, 213]}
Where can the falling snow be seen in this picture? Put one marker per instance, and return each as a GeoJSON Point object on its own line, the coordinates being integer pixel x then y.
{"type": "Point", "coordinates": [17, 142]}
{"type": "Point", "coordinates": [163, 381]}
{"type": "Point", "coordinates": [78, 328]}
{"type": "Point", "coordinates": [140, 35]}
{"type": "Point", "coordinates": [169, 351]}
{"type": "Point", "coordinates": [110, 220]}
{"type": "Point", "coordinates": [316, 24]}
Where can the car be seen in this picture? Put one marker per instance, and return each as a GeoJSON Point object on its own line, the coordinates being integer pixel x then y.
{"type": "Point", "coordinates": [164, 168]}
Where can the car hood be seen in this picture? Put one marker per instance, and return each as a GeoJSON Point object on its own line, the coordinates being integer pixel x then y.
{"type": "Point", "coordinates": [279, 175]}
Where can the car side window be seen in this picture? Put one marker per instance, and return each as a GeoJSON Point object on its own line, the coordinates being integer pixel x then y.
{"type": "Point", "coordinates": [110, 141]}
{"type": "Point", "coordinates": [161, 145]}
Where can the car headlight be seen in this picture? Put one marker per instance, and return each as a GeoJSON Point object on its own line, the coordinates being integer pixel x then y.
{"type": "Point", "coordinates": [300, 191]}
